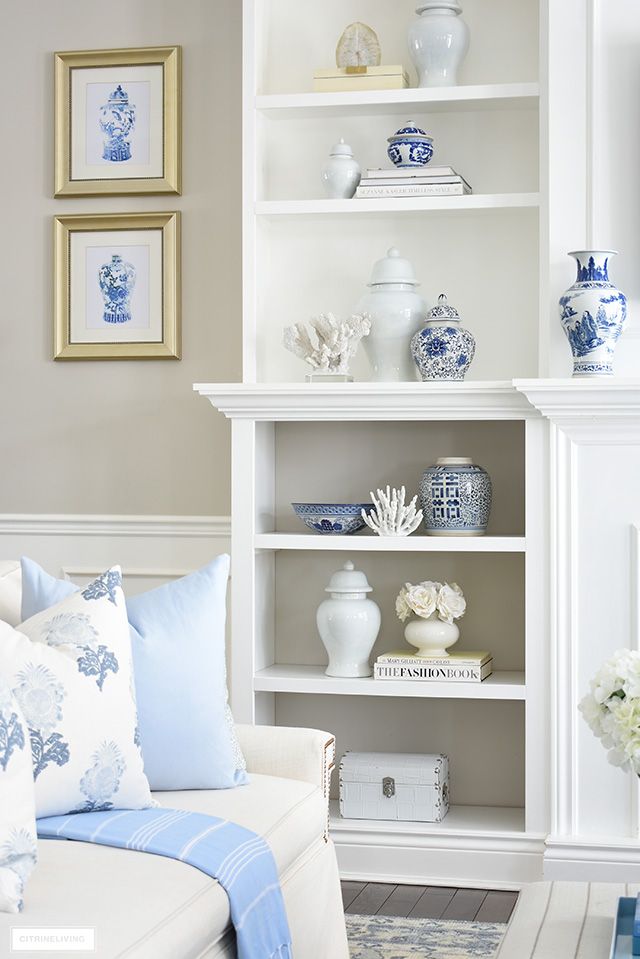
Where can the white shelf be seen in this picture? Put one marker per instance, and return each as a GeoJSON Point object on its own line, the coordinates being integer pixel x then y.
{"type": "Point", "coordinates": [478, 820]}
{"type": "Point", "coordinates": [393, 544]}
{"type": "Point", "coordinates": [432, 204]}
{"type": "Point", "coordinates": [312, 679]}
{"type": "Point", "coordinates": [497, 96]}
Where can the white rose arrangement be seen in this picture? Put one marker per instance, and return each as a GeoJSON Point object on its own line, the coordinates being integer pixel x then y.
{"type": "Point", "coordinates": [427, 598]}
{"type": "Point", "coordinates": [612, 708]}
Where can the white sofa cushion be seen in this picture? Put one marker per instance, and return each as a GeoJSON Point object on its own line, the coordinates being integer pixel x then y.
{"type": "Point", "coordinates": [10, 591]}
{"type": "Point", "coordinates": [70, 670]}
{"type": "Point", "coordinates": [166, 908]}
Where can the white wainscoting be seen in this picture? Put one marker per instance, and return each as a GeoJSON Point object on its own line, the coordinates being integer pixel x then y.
{"type": "Point", "coordinates": [150, 549]}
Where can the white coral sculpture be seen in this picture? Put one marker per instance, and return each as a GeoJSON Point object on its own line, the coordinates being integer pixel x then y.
{"type": "Point", "coordinates": [391, 517]}
{"type": "Point", "coordinates": [336, 341]}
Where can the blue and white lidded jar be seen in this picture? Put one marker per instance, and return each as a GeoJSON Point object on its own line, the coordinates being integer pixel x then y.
{"type": "Point", "coordinates": [117, 280]}
{"type": "Point", "coordinates": [410, 147]}
{"type": "Point", "coordinates": [593, 313]}
{"type": "Point", "coordinates": [117, 120]}
{"type": "Point", "coordinates": [455, 496]}
{"type": "Point", "coordinates": [443, 350]}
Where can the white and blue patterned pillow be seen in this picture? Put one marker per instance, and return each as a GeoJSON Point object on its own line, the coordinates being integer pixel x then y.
{"type": "Point", "coordinates": [17, 803]}
{"type": "Point", "coordinates": [70, 670]}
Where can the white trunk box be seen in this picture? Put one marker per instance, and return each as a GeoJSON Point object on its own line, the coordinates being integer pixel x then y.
{"type": "Point", "coordinates": [406, 786]}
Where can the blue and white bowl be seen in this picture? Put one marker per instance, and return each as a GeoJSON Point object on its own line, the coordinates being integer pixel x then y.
{"type": "Point", "coordinates": [410, 147]}
{"type": "Point", "coordinates": [336, 519]}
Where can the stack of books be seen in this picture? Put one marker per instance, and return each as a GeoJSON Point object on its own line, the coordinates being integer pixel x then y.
{"type": "Point", "coordinates": [413, 181]}
{"type": "Point", "coordinates": [470, 667]}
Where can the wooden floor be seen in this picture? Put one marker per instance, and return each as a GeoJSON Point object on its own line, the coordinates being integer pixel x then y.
{"type": "Point", "coordinates": [427, 902]}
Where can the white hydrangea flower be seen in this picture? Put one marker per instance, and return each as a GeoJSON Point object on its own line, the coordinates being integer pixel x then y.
{"type": "Point", "coordinates": [612, 708]}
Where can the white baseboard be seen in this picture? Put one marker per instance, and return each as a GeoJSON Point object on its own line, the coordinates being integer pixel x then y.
{"type": "Point", "coordinates": [588, 859]}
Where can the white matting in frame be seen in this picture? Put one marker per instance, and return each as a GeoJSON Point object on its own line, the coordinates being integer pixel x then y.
{"type": "Point", "coordinates": [91, 90]}
{"type": "Point", "coordinates": [141, 254]}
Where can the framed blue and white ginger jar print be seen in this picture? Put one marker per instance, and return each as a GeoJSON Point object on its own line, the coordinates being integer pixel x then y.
{"type": "Point", "coordinates": [117, 287]}
{"type": "Point", "coordinates": [117, 121]}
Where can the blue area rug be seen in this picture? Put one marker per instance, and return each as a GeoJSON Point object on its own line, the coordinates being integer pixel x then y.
{"type": "Point", "coordinates": [389, 937]}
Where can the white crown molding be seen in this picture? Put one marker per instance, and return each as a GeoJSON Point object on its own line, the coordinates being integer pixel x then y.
{"type": "Point", "coordinates": [579, 399]}
{"type": "Point", "coordinates": [491, 400]}
{"type": "Point", "coordinates": [61, 524]}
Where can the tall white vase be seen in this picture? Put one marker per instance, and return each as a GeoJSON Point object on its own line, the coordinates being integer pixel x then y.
{"type": "Point", "coordinates": [396, 312]}
{"type": "Point", "coordinates": [431, 637]}
{"type": "Point", "coordinates": [348, 623]}
{"type": "Point", "coordinates": [438, 42]}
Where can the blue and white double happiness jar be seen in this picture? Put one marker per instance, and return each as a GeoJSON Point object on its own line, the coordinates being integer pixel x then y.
{"type": "Point", "coordinates": [593, 313]}
{"type": "Point", "coordinates": [455, 495]}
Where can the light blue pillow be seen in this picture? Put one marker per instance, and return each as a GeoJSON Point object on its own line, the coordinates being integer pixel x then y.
{"type": "Point", "coordinates": [178, 640]}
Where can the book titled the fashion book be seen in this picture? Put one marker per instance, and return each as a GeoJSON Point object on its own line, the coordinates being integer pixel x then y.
{"type": "Point", "coordinates": [463, 667]}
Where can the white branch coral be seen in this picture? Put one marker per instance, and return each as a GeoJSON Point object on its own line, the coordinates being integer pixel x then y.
{"type": "Point", "coordinates": [391, 517]}
{"type": "Point", "coordinates": [336, 341]}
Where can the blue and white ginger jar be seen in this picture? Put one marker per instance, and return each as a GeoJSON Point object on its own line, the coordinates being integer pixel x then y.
{"type": "Point", "coordinates": [593, 313]}
{"type": "Point", "coordinates": [410, 147]}
{"type": "Point", "coordinates": [117, 120]}
{"type": "Point", "coordinates": [117, 280]}
{"type": "Point", "coordinates": [443, 350]}
{"type": "Point", "coordinates": [455, 495]}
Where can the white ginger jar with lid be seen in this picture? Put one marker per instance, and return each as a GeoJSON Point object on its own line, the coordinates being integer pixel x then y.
{"type": "Point", "coordinates": [438, 42]}
{"type": "Point", "coordinates": [341, 173]}
{"type": "Point", "coordinates": [396, 312]}
{"type": "Point", "coordinates": [348, 623]}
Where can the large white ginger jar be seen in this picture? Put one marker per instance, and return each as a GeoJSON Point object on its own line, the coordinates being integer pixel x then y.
{"type": "Point", "coordinates": [432, 637]}
{"type": "Point", "coordinates": [438, 42]}
{"type": "Point", "coordinates": [341, 173]}
{"type": "Point", "coordinates": [348, 623]}
{"type": "Point", "coordinates": [396, 312]}
{"type": "Point", "coordinates": [593, 313]}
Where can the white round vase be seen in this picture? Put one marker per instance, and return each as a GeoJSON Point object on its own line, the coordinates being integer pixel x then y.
{"type": "Point", "coordinates": [431, 636]}
{"type": "Point", "coordinates": [438, 42]}
{"type": "Point", "coordinates": [348, 623]}
{"type": "Point", "coordinates": [341, 173]}
{"type": "Point", "coordinates": [396, 312]}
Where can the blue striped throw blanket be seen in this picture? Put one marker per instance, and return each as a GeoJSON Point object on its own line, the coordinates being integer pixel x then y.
{"type": "Point", "coordinates": [239, 859]}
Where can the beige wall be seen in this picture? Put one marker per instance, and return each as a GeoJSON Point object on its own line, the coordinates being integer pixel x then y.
{"type": "Point", "coordinates": [119, 437]}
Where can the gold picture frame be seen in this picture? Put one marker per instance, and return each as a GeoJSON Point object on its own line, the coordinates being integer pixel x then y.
{"type": "Point", "coordinates": [97, 85]}
{"type": "Point", "coordinates": [117, 287]}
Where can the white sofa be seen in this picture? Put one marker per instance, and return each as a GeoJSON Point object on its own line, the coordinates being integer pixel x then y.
{"type": "Point", "coordinates": [148, 907]}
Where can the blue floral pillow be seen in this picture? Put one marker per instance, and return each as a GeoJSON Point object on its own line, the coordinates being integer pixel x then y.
{"type": "Point", "coordinates": [70, 671]}
{"type": "Point", "coordinates": [17, 803]}
{"type": "Point", "coordinates": [178, 646]}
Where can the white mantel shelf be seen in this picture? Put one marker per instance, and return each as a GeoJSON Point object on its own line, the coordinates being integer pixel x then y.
{"type": "Point", "coordinates": [484, 96]}
{"type": "Point", "coordinates": [480, 400]}
{"type": "Point", "coordinates": [583, 398]}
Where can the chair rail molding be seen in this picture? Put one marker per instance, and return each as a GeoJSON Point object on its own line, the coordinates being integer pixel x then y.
{"type": "Point", "coordinates": [594, 590]}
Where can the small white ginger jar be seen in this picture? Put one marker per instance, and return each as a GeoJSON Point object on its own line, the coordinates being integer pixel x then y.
{"type": "Point", "coordinates": [431, 637]}
{"type": "Point", "coordinates": [348, 623]}
{"type": "Point", "coordinates": [341, 173]}
{"type": "Point", "coordinates": [396, 312]}
{"type": "Point", "coordinates": [438, 42]}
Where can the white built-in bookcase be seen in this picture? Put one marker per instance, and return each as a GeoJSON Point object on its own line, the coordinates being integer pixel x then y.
{"type": "Point", "coordinates": [494, 254]}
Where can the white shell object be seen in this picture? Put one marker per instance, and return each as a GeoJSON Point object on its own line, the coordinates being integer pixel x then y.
{"type": "Point", "coordinates": [358, 47]}
{"type": "Point", "coordinates": [336, 341]}
{"type": "Point", "coordinates": [391, 516]}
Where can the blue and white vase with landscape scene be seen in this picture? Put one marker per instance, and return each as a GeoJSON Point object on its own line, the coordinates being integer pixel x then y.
{"type": "Point", "coordinates": [455, 496]}
{"type": "Point", "coordinates": [443, 349]}
{"type": "Point", "coordinates": [117, 281]}
{"type": "Point", "coordinates": [117, 120]}
{"type": "Point", "coordinates": [593, 312]}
